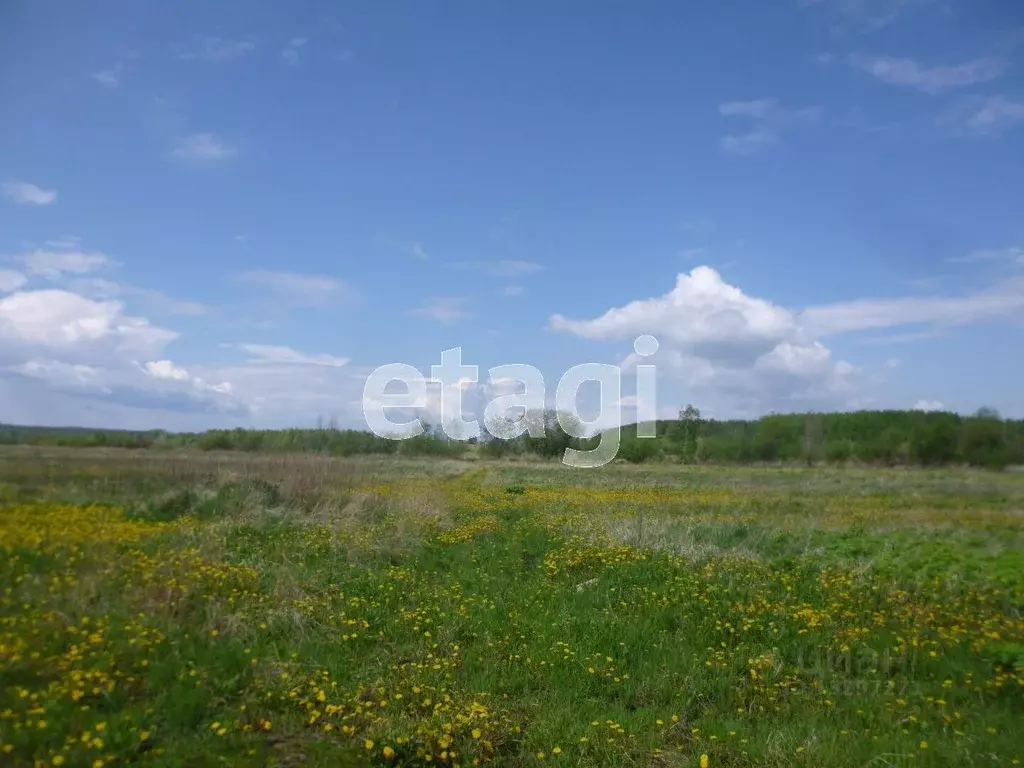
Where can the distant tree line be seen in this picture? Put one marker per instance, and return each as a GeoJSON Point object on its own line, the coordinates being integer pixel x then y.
{"type": "Point", "coordinates": [871, 437]}
{"type": "Point", "coordinates": [321, 439]}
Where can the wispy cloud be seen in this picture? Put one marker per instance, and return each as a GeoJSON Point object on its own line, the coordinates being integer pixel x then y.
{"type": "Point", "coordinates": [500, 267]}
{"type": "Point", "coordinates": [54, 264]}
{"type": "Point", "coordinates": [769, 120]}
{"type": "Point", "coordinates": [64, 242]}
{"type": "Point", "coordinates": [1013, 254]}
{"type": "Point", "coordinates": [290, 53]}
{"type": "Point", "coordinates": [758, 108]}
{"type": "Point", "coordinates": [202, 149]}
{"type": "Point", "coordinates": [986, 117]}
{"type": "Point", "coordinates": [412, 248]}
{"type": "Point", "coordinates": [215, 49]}
{"type": "Point", "coordinates": [512, 290]}
{"type": "Point", "coordinates": [111, 76]}
{"type": "Point", "coordinates": [1003, 299]}
{"type": "Point", "coordinates": [930, 79]}
{"type": "Point", "coordinates": [108, 78]}
{"type": "Point", "coordinates": [28, 194]}
{"type": "Point", "coordinates": [11, 280]}
{"type": "Point", "coordinates": [281, 355]}
{"type": "Point", "coordinates": [908, 337]}
{"type": "Point", "coordinates": [444, 309]}
{"type": "Point", "coordinates": [156, 301]}
{"type": "Point", "coordinates": [746, 143]}
{"type": "Point", "coordinates": [872, 14]}
{"type": "Point", "coordinates": [298, 289]}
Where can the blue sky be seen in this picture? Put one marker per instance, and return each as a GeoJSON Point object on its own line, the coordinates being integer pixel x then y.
{"type": "Point", "coordinates": [219, 214]}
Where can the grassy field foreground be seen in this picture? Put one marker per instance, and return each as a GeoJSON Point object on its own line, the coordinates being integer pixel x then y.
{"type": "Point", "coordinates": [212, 610]}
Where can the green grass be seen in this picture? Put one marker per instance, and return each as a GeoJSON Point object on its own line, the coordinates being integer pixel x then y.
{"type": "Point", "coordinates": [292, 612]}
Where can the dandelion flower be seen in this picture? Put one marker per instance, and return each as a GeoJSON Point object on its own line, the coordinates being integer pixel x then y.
{"type": "Point", "coordinates": [704, 761]}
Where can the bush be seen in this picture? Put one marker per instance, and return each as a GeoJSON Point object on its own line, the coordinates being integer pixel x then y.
{"type": "Point", "coordinates": [638, 449]}
{"type": "Point", "coordinates": [934, 441]}
{"type": "Point", "coordinates": [838, 451]}
{"type": "Point", "coordinates": [984, 443]}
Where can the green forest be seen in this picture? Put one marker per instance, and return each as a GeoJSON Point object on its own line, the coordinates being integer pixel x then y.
{"type": "Point", "coordinates": [868, 437]}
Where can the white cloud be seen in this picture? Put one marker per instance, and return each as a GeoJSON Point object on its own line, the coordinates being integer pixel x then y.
{"type": "Point", "coordinates": [28, 194]}
{"type": "Point", "coordinates": [59, 373]}
{"type": "Point", "coordinates": [108, 78]}
{"type": "Point", "coordinates": [55, 320]}
{"type": "Point", "coordinates": [155, 300]}
{"type": "Point", "coordinates": [165, 369]}
{"type": "Point", "coordinates": [411, 248]}
{"type": "Point", "coordinates": [725, 345]}
{"type": "Point", "coordinates": [131, 386]}
{"type": "Point", "coordinates": [872, 14]}
{"type": "Point", "coordinates": [770, 120]}
{"type": "Point", "coordinates": [65, 242]}
{"type": "Point", "coordinates": [501, 267]}
{"type": "Point", "coordinates": [290, 53]}
{"type": "Point", "coordinates": [298, 289]}
{"type": "Point", "coordinates": [1004, 299]}
{"type": "Point", "coordinates": [755, 354]}
{"type": "Point", "coordinates": [288, 394]}
{"type": "Point", "coordinates": [202, 149]}
{"type": "Point", "coordinates": [746, 143]}
{"type": "Point", "coordinates": [703, 316]}
{"type": "Point", "coordinates": [60, 344]}
{"type": "Point", "coordinates": [758, 108]}
{"type": "Point", "coordinates": [1013, 254]}
{"type": "Point", "coordinates": [512, 290]}
{"type": "Point", "coordinates": [928, 405]}
{"type": "Point", "coordinates": [286, 355]}
{"type": "Point", "coordinates": [11, 280]}
{"type": "Point", "coordinates": [932, 79]}
{"type": "Point", "coordinates": [53, 264]}
{"type": "Point", "coordinates": [993, 115]}
{"type": "Point", "coordinates": [444, 309]}
{"type": "Point", "coordinates": [901, 338]}
{"type": "Point", "coordinates": [216, 49]}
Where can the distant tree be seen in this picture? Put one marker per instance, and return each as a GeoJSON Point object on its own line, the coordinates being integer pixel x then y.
{"type": "Point", "coordinates": [689, 420]}
{"type": "Point", "coordinates": [984, 442]}
{"type": "Point", "coordinates": [814, 439]}
{"type": "Point", "coordinates": [504, 427]}
{"type": "Point", "coordinates": [985, 412]}
{"type": "Point", "coordinates": [636, 449]}
{"type": "Point", "coordinates": [771, 436]}
{"type": "Point", "coordinates": [546, 436]}
{"type": "Point", "coordinates": [838, 451]}
{"type": "Point", "coordinates": [935, 439]}
{"type": "Point", "coordinates": [454, 429]}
